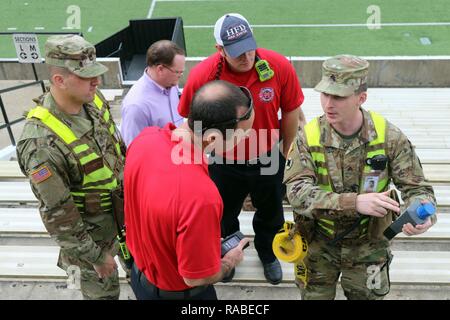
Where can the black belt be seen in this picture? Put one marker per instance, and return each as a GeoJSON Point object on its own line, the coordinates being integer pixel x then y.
{"type": "Point", "coordinates": [170, 295]}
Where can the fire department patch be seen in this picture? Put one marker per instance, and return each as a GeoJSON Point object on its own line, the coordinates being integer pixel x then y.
{"type": "Point", "coordinates": [266, 94]}
{"type": "Point", "coordinates": [40, 174]}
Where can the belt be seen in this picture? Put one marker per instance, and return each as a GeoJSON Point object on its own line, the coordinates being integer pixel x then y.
{"type": "Point", "coordinates": [169, 295]}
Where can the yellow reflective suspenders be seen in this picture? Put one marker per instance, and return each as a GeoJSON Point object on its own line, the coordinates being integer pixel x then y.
{"type": "Point", "coordinates": [97, 177]}
{"type": "Point", "coordinates": [375, 147]}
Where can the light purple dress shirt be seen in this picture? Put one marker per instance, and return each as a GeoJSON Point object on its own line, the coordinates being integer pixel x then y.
{"type": "Point", "coordinates": [148, 104]}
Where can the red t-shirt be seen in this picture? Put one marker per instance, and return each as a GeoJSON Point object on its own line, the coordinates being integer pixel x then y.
{"type": "Point", "coordinates": [282, 91]}
{"type": "Point", "coordinates": [172, 210]}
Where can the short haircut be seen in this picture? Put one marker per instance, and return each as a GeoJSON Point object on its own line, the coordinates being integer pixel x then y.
{"type": "Point", "coordinates": [57, 70]}
{"type": "Point", "coordinates": [362, 88]}
{"type": "Point", "coordinates": [163, 52]}
{"type": "Point", "coordinates": [215, 104]}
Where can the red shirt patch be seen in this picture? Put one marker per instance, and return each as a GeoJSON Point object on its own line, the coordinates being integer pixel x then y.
{"type": "Point", "coordinates": [266, 94]}
{"type": "Point", "coordinates": [40, 174]}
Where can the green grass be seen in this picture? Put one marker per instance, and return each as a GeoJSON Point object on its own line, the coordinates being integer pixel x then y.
{"type": "Point", "coordinates": [108, 16]}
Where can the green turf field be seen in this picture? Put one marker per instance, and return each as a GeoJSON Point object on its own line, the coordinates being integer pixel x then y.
{"type": "Point", "coordinates": [292, 27]}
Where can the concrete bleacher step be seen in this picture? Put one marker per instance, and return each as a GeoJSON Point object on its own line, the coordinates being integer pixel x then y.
{"type": "Point", "coordinates": [433, 156]}
{"type": "Point", "coordinates": [434, 172]}
{"type": "Point", "coordinates": [440, 231]}
{"type": "Point", "coordinates": [34, 262]}
{"type": "Point", "coordinates": [27, 222]}
{"type": "Point", "coordinates": [408, 267]}
{"type": "Point", "coordinates": [111, 94]}
{"type": "Point", "coordinates": [20, 192]}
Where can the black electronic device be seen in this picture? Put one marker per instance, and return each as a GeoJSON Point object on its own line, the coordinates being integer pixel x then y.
{"type": "Point", "coordinates": [377, 162]}
{"type": "Point", "coordinates": [232, 241]}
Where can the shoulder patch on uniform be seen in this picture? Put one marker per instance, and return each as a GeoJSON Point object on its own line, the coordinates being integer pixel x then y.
{"type": "Point", "coordinates": [40, 174]}
{"type": "Point", "coordinates": [288, 163]}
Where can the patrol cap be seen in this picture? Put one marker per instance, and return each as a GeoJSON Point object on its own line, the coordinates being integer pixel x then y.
{"type": "Point", "coordinates": [233, 32]}
{"type": "Point", "coordinates": [342, 75]}
{"type": "Point", "coordinates": [73, 53]}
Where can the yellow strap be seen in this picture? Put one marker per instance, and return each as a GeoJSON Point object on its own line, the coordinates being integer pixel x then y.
{"type": "Point", "coordinates": [57, 126]}
{"type": "Point", "coordinates": [98, 102]}
{"type": "Point", "coordinates": [312, 133]}
{"type": "Point", "coordinates": [380, 128]}
{"type": "Point", "coordinates": [67, 135]}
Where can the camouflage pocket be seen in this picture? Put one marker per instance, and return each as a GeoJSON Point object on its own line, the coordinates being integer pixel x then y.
{"type": "Point", "coordinates": [305, 226]}
{"type": "Point", "coordinates": [92, 203]}
{"type": "Point", "coordinates": [378, 280]}
{"type": "Point", "coordinates": [378, 225]}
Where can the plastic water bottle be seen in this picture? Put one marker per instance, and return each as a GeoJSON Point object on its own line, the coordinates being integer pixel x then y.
{"type": "Point", "coordinates": [416, 213]}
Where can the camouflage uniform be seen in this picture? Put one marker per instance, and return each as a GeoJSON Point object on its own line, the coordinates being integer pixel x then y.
{"type": "Point", "coordinates": [84, 232]}
{"type": "Point", "coordinates": [362, 257]}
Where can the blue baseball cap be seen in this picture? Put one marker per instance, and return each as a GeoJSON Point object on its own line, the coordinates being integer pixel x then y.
{"type": "Point", "coordinates": [232, 31]}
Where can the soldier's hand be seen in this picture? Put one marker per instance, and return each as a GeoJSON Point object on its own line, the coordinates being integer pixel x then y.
{"type": "Point", "coordinates": [106, 269]}
{"type": "Point", "coordinates": [409, 230]}
{"type": "Point", "coordinates": [376, 204]}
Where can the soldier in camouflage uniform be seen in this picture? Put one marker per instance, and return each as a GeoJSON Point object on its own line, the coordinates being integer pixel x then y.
{"type": "Point", "coordinates": [329, 185]}
{"type": "Point", "coordinates": [73, 156]}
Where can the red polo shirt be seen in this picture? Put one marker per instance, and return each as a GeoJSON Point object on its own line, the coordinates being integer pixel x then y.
{"type": "Point", "coordinates": [283, 92]}
{"type": "Point", "coordinates": [172, 210]}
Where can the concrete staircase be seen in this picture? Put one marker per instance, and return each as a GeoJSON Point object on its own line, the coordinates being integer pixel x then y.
{"type": "Point", "coordinates": [421, 265]}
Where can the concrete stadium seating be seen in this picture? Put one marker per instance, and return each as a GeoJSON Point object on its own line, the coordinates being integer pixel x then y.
{"type": "Point", "coordinates": [423, 114]}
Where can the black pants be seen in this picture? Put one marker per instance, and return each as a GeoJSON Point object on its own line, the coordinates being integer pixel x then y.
{"type": "Point", "coordinates": [235, 182]}
{"type": "Point", "coordinates": [143, 290]}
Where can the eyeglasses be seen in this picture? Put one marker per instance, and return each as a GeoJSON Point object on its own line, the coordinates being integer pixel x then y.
{"type": "Point", "coordinates": [174, 71]}
{"type": "Point", "coordinates": [244, 117]}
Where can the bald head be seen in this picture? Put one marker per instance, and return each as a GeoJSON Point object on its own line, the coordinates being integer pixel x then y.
{"type": "Point", "coordinates": [217, 102]}
{"type": "Point", "coordinates": [216, 91]}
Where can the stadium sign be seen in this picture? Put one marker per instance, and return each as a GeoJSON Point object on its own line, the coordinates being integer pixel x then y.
{"type": "Point", "coordinates": [27, 48]}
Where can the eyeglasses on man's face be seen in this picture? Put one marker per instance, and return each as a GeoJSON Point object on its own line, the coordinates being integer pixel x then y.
{"type": "Point", "coordinates": [180, 73]}
{"type": "Point", "coordinates": [244, 117]}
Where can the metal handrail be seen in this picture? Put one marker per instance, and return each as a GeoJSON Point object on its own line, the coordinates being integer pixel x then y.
{"type": "Point", "coordinates": [8, 123]}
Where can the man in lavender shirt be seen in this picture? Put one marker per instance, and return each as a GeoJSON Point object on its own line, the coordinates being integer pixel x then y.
{"type": "Point", "coordinates": [153, 99]}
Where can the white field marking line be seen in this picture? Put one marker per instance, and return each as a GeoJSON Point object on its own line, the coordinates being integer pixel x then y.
{"type": "Point", "coordinates": [339, 25]}
{"type": "Point", "coordinates": [12, 29]}
{"type": "Point", "coordinates": [195, 0]}
{"type": "Point", "coordinates": [90, 29]}
{"type": "Point", "coordinates": [152, 8]}
{"type": "Point", "coordinates": [39, 28]}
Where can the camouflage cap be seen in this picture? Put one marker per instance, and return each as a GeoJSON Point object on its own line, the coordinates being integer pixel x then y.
{"type": "Point", "coordinates": [75, 54]}
{"type": "Point", "coordinates": [342, 75]}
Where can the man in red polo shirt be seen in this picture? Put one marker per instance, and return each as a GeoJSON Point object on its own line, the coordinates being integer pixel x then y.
{"type": "Point", "coordinates": [173, 209]}
{"type": "Point", "coordinates": [257, 167]}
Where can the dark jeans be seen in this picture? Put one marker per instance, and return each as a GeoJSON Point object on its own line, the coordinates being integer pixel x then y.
{"type": "Point", "coordinates": [144, 290]}
{"type": "Point", "coordinates": [235, 182]}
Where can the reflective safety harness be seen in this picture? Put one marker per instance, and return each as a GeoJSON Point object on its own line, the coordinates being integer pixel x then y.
{"type": "Point", "coordinates": [375, 147]}
{"type": "Point", "coordinates": [98, 178]}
